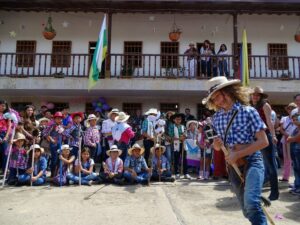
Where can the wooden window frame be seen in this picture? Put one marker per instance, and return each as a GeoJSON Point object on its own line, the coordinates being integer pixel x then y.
{"type": "Point", "coordinates": [60, 58]}
{"type": "Point", "coordinates": [133, 106]}
{"type": "Point", "coordinates": [169, 61]}
{"type": "Point", "coordinates": [135, 60]}
{"type": "Point", "coordinates": [276, 63]}
{"type": "Point", "coordinates": [19, 106]}
{"type": "Point", "coordinates": [238, 52]}
{"type": "Point", "coordinates": [168, 108]}
{"type": "Point", "coordinates": [24, 56]}
{"type": "Point", "coordinates": [58, 106]}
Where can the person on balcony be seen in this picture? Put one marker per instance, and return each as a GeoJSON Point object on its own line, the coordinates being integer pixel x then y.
{"type": "Point", "coordinates": [222, 53]}
{"type": "Point", "coordinates": [205, 53]}
{"type": "Point", "coordinates": [192, 58]}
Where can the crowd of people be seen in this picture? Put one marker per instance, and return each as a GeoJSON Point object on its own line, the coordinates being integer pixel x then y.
{"type": "Point", "coordinates": [73, 148]}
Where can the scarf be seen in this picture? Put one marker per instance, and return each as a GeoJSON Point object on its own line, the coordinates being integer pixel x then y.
{"type": "Point", "coordinates": [118, 130]}
{"type": "Point", "coordinates": [110, 165]}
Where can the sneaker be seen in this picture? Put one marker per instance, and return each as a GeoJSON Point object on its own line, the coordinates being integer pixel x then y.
{"type": "Point", "coordinates": [187, 176]}
{"type": "Point", "coordinates": [200, 177]}
{"type": "Point", "coordinates": [177, 176]}
{"type": "Point", "coordinates": [90, 183]}
{"type": "Point", "coordinates": [296, 192]}
{"type": "Point", "coordinates": [283, 180]}
{"type": "Point", "coordinates": [71, 182]}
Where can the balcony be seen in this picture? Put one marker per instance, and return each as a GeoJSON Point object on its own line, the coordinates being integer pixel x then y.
{"type": "Point", "coordinates": [154, 66]}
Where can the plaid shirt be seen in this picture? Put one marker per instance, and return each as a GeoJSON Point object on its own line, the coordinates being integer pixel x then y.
{"type": "Point", "coordinates": [92, 136]}
{"type": "Point", "coordinates": [18, 159]}
{"type": "Point", "coordinates": [137, 164]}
{"type": "Point", "coordinates": [73, 133]}
{"type": "Point", "coordinates": [244, 127]}
{"type": "Point", "coordinates": [164, 163]}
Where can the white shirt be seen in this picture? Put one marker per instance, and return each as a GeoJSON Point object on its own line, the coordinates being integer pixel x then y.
{"type": "Point", "coordinates": [287, 124]}
{"type": "Point", "coordinates": [107, 126]}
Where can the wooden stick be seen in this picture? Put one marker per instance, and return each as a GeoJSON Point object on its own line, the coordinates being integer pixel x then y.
{"type": "Point", "coordinates": [32, 162]}
{"type": "Point", "coordinates": [79, 160]}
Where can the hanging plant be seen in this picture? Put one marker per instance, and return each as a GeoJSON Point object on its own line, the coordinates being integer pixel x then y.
{"type": "Point", "coordinates": [297, 34]}
{"type": "Point", "coordinates": [49, 32]}
{"type": "Point", "coordinates": [175, 32]}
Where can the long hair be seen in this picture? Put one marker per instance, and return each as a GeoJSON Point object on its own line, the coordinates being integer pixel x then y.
{"type": "Point", "coordinates": [220, 49]}
{"type": "Point", "coordinates": [32, 117]}
{"type": "Point", "coordinates": [260, 103]}
{"type": "Point", "coordinates": [236, 92]}
{"type": "Point", "coordinates": [6, 105]}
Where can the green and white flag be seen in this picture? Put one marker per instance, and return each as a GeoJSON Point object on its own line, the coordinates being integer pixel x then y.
{"type": "Point", "coordinates": [99, 56]}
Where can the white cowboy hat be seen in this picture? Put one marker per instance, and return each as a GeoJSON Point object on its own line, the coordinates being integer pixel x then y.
{"type": "Point", "coordinates": [115, 111]}
{"type": "Point", "coordinates": [64, 147]}
{"type": "Point", "coordinates": [19, 136]}
{"type": "Point", "coordinates": [217, 83]}
{"type": "Point", "coordinates": [43, 119]}
{"type": "Point", "coordinates": [87, 121]}
{"type": "Point", "coordinates": [294, 112]}
{"type": "Point", "coordinates": [259, 90]}
{"type": "Point", "coordinates": [113, 148]}
{"type": "Point", "coordinates": [151, 111]}
{"type": "Point", "coordinates": [122, 117]}
{"type": "Point", "coordinates": [163, 148]}
{"type": "Point", "coordinates": [192, 121]}
{"type": "Point", "coordinates": [36, 146]}
{"type": "Point", "coordinates": [136, 146]}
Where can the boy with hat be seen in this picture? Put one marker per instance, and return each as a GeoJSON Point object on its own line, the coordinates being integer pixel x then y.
{"type": "Point", "coordinates": [74, 132]}
{"type": "Point", "coordinates": [122, 133]}
{"type": "Point", "coordinates": [178, 134]}
{"type": "Point", "coordinates": [17, 161]}
{"type": "Point", "coordinates": [37, 173]}
{"type": "Point", "coordinates": [245, 137]}
{"type": "Point", "coordinates": [53, 133]}
{"type": "Point", "coordinates": [161, 169]}
{"type": "Point", "coordinates": [135, 166]}
{"type": "Point", "coordinates": [113, 167]}
{"type": "Point", "coordinates": [92, 136]}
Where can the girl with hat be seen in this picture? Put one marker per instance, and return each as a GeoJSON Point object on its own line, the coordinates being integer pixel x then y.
{"type": "Point", "coordinates": [92, 136]}
{"type": "Point", "coordinates": [122, 133]}
{"type": "Point", "coordinates": [67, 165]}
{"type": "Point", "coordinates": [135, 166]}
{"type": "Point", "coordinates": [161, 169]}
{"type": "Point", "coordinates": [18, 158]}
{"type": "Point", "coordinates": [113, 167]}
{"type": "Point", "coordinates": [54, 134]}
{"type": "Point", "coordinates": [74, 132]}
{"type": "Point", "coordinates": [259, 102]}
{"type": "Point", "coordinates": [245, 137]}
{"type": "Point", "coordinates": [85, 168]}
{"type": "Point", "coordinates": [37, 173]}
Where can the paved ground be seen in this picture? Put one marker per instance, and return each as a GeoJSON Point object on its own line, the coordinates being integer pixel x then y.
{"type": "Point", "coordinates": [183, 202]}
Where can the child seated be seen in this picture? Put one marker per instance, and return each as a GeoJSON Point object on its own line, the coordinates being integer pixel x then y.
{"type": "Point", "coordinates": [85, 167]}
{"type": "Point", "coordinates": [135, 166]}
{"type": "Point", "coordinates": [161, 170]}
{"type": "Point", "coordinates": [113, 167]}
{"type": "Point", "coordinates": [36, 171]}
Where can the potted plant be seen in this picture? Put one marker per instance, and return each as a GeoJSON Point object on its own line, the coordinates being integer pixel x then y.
{"type": "Point", "coordinates": [175, 33]}
{"type": "Point", "coordinates": [297, 35]}
{"type": "Point", "coordinates": [49, 32]}
{"type": "Point", "coordinates": [127, 71]}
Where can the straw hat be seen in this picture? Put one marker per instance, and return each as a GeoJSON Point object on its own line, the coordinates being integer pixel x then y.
{"type": "Point", "coordinates": [19, 136]}
{"type": "Point", "coordinates": [192, 121]}
{"type": "Point", "coordinates": [80, 114]}
{"type": "Point", "coordinates": [163, 148]}
{"type": "Point", "coordinates": [259, 90]}
{"type": "Point", "coordinates": [122, 117]}
{"type": "Point", "coordinates": [216, 84]}
{"type": "Point", "coordinates": [58, 114]}
{"type": "Point", "coordinates": [113, 148]}
{"type": "Point", "coordinates": [115, 111]}
{"type": "Point", "coordinates": [291, 106]}
{"type": "Point", "coordinates": [136, 146]}
{"type": "Point", "coordinates": [36, 146]}
{"type": "Point", "coordinates": [151, 111]}
{"type": "Point", "coordinates": [192, 43]}
{"type": "Point", "coordinates": [43, 119]}
{"type": "Point", "coordinates": [90, 117]}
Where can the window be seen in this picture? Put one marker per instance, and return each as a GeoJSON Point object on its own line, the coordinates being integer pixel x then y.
{"type": "Point", "coordinates": [239, 46]}
{"type": "Point", "coordinates": [19, 106]}
{"type": "Point", "coordinates": [25, 53]}
{"type": "Point", "coordinates": [165, 107]}
{"type": "Point", "coordinates": [169, 52]}
{"type": "Point", "coordinates": [133, 54]}
{"type": "Point", "coordinates": [61, 54]}
{"type": "Point", "coordinates": [203, 112]}
{"type": "Point", "coordinates": [89, 109]}
{"type": "Point", "coordinates": [91, 50]}
{"type": "Point", "coordinates": [278, 57]}
{"type": "Point", "coordinates": [131, 108]}
{"type": "Point", "coordinates": [58, 106]}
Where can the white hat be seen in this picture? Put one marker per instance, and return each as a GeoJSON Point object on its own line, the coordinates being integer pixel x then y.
{"type": "Point", "coordinates": [115, 111]}
{"type": "Point", "coordinates": [217, 83]}
{"type": "Point", "coordinates": [43, 119]}
{"type": "Point", "coordinates": [87, 121]}
{"type": "Point", "coordinates": [113, 148]}
{"type": "Point", "coordinates": [163, 148]}
{"type": "Point", "coordinates": [122, 117]}
{"type": "Point", "coordinates": [64, 147]}
{"type": "Point", "coordinates": [136, 146]}
{"type": "Point", "coordinates": [19, 136]}
{"type": "Point", "coordinates": [192, 121]}
{"type": "Point", "coordinates": [36, 146]}
{"type": "Point", "coordinates": [294, 112]}
{"type": "Point", "coordinates": [151, 111]}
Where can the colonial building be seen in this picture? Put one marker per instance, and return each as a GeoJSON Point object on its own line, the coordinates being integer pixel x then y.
{"type": "Point", "coordinates": [144, 68]}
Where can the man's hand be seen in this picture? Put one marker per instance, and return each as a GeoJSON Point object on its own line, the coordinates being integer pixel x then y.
{"type": "Point", "coordinates": [33, 179]}
{"type": "Point", "coordinates": [232, 158]}
{"type": "Point", "coordinates": [217, 143]}
{"type": "Point", "coordinates": [111, 175]}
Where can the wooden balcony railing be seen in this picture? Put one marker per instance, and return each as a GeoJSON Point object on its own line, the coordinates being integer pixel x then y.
{"type": "Point", "coordinates": [147, 66]}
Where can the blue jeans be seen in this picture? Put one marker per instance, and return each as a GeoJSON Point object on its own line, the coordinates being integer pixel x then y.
{"type": "Point", "coordinates": [3, 147]}
{"type": "Point", "coordinates": [25, 179]}
{"type": "Point", "coordinates": [13, 172]}
{"type": "Point", "coordinates": [178, 160]}
{"type": "Point", "coordinates": [124, 147]}
{"type": "Point", "coordinates": [54, 157]}
{"type": "Point", "coordinates": [148, 144]}
{"type": "Point", "coordinates": [206, 67]}
{"type": "Point", "coordinates": [74, 151]}
{"type": "Point", "coordinates": [164, 176]}
{"type": "Point", "coordinates": [141, 177]}
{"type": "Point", "coordinates": [223, 68]}
{"type": "Point", "coordinates": [270, 166]}
{"type": "Point", "coordinates": [249, 196]}
{"type": "Point", "coordinates": [295, 155]}
{"type": "Point", "coordinates": [169, 153]}
{"type": "Point", "coordinates": [84, 178]}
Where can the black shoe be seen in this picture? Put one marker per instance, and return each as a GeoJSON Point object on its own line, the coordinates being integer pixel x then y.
{"type": "Point", "coordinates": [283, 180]}
{"type": "Point", "coordinates": [274, 197]}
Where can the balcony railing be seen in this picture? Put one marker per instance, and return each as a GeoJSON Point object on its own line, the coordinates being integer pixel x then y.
{"type": "Point", "coordinates": [147, 66]}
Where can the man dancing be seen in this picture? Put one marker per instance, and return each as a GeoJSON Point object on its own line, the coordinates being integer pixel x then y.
{"type": "Point", "coordinates": [245, 137]}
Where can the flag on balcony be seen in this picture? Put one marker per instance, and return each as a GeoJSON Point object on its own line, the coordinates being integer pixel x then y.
{"type": "Point", "coordinates": [99, 56]}
{"type": "Point", "coordinates": [244, 68]}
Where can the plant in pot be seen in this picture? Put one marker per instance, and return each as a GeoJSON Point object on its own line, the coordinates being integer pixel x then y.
{"type": "Point", "coordinates": [49, 32]}
{"type": "Point", "coordinates": [127, 70]}
{"type": "Point", "coordinates": [175, 32]}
